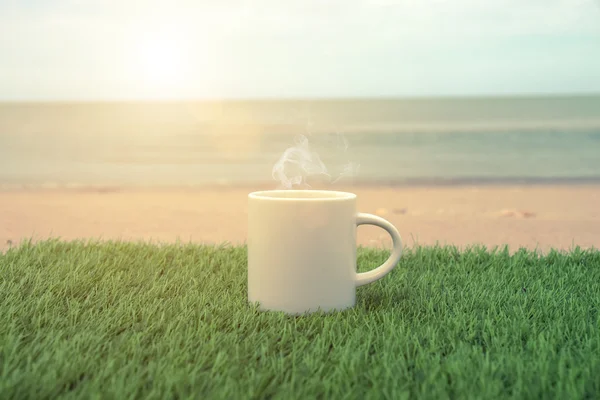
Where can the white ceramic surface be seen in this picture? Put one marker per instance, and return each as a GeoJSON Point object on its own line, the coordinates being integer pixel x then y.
{"type": "Point", "coordinates": [302, 250]}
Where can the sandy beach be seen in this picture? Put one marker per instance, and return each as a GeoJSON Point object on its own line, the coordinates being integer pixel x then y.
{"type": "Point", "coordinates": [541, 217]}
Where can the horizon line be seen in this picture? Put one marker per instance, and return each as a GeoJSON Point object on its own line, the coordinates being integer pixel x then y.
{"type": "Point", "coordinates": [306, 98]}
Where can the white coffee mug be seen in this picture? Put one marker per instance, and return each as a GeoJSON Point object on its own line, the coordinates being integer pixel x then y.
{"type": "Point", "coordinates": [302, 250]}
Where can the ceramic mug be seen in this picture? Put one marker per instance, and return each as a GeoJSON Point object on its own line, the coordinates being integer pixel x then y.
{"type": "Point", "coordinates": [302, 250]}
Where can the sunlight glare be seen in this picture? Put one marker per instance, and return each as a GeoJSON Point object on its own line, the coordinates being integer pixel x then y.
{"type": "Point", "coordinates": [162, 59]}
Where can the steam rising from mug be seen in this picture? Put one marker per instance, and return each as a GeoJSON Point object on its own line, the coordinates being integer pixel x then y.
{"type": "Point", "coordinates": [299, 162]}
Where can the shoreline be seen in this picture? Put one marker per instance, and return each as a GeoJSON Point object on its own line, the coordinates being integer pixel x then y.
{"type": "Point", "coordinates": [539, 217]}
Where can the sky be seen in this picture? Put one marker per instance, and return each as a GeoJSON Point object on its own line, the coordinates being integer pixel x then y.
{"type": "Point", "coordinates": [133, 49]}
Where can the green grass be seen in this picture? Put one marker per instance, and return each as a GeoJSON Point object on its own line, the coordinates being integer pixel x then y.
{"type": "Point", "coordinates": [134, 320]}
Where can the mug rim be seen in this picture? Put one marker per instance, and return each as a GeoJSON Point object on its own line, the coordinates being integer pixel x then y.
{"type": "Point", "coordinates": [297, 195]}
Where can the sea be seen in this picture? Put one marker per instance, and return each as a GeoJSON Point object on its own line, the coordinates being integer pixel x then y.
{"type": "Point", "coordinates": [307, 142]}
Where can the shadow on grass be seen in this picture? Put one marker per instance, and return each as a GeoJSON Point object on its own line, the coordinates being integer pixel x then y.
{"type": "Point", "coordinates": [377, 300]}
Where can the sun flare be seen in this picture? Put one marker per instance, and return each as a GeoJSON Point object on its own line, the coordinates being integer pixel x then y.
{"type": "Point", "coordinates": [162, 61]}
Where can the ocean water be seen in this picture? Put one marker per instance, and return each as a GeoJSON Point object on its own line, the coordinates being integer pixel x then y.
{"type": "Point", "coordinates": [329, 142]}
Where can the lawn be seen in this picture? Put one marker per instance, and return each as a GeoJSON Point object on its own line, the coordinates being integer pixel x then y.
{"type": "Point", "coordinates": [139, 320]}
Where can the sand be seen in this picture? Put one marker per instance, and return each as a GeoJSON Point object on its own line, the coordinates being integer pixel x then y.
{"type": "Point", "coordinates": [536, 217]}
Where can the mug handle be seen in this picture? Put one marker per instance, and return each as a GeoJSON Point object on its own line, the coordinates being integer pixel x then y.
{"type": "Point", "coordinates": [364, 278]}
